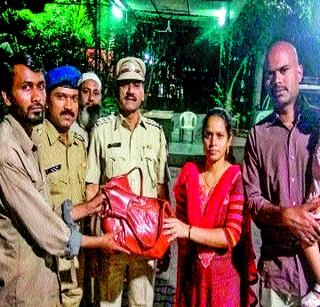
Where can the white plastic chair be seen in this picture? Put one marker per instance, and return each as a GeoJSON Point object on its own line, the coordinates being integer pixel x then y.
{"type": "Point", "coordinates": [187, 121]}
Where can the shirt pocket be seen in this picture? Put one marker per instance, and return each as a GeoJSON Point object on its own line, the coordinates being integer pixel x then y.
{"type": "Point", "coordinates": [35, 175]}
{"type": "Point", "coordinates": [151, 161]}
{"type": "Point", "coordinates": [116, 162]}
{"type": "Point", "coordinates": [57, 183]}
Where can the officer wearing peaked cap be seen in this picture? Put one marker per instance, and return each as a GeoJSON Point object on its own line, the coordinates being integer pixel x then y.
{"type": "Point", "coordinates": [118, 144]}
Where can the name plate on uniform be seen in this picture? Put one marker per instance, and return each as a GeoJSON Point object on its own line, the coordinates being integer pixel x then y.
{"type": "Point", "coordinates": [53, 169]}
{"type": "Point", "coordinates": [114, 145]}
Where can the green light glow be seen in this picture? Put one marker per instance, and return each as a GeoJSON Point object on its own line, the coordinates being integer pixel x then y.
{"type": "Point", "coordinates": [119, 4]}
{"type": "Point", "coordinates": [220, 15]}
{"type": "Point", "coordinates": [117, 12]}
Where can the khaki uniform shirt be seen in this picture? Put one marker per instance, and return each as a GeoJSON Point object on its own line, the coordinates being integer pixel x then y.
{"type": "Point", "coordinates": [80, 131]}
{"type": "Point", "coordinates": [64, 164]}
{"type": "Point", "coordinates": [115, 150]}
{"type": "Point", "coordinates": [65, 167]}
{"type": "Point", "coordinates": [27, 272]}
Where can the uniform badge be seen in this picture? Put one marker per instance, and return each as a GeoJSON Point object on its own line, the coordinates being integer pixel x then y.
{"type": "Point", "coordinates": [53, 169]}
{"type": "Point", "coordinates": [114, 145]}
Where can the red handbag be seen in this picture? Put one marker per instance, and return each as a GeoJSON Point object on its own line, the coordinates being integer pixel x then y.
{"type": "Point", "coordinates": [135, 220]}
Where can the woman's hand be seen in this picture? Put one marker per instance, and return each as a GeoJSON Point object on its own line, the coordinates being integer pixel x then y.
{"type": "Point", "coordinates": [174, 228]}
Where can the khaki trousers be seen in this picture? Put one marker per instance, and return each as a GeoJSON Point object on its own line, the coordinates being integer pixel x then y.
{"type": "Point", "coordinates": [138, 272]}
{"type": "Point", "coordinates": [71, 293]}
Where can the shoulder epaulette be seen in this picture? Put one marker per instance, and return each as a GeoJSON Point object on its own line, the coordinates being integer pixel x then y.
{"type": "Point", "coordinates": [103, 120]}
{"type": "Point", "coordinates": [37, 131]}
{"type": "Point", "coordinates": [78, 136]}
{"type": "Point", "coordinates": [152, 123]}
{"type": "Point", "coordinates": [38, 128]}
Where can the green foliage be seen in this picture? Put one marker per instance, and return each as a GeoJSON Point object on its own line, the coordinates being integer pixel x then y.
{"type": "Point", "coordinates": [219, 96]}
{"type": "Point", "coordinates": [59, 35]}
{"type": "Point", "coordinates": [109, 106]}
{"type": "Point", "coordinates": [56, 36]}
{"type": "Point", "coordinates": [33, 5]}
{"type": "Point", "coordinates": [262, 21]}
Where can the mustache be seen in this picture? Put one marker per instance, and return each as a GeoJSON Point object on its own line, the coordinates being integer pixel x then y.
{"type": "Point", "coordinates": [67, 112]}
{"type": "Point", "coordinates": [37, 105]}
{"type": "Point", "coordinates": [130, 96]}
{"type": "Point", "coordinates": [279, 88]}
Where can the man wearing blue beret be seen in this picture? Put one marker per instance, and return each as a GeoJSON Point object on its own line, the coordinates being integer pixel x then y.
{"type": "Point", "coordinates": [63, 158]}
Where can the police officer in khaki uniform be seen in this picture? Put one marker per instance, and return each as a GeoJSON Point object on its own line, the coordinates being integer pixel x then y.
{"type": "Point", "coordinates": [118, 144]}
{"type": "Point", "coordinates": [63, 158]}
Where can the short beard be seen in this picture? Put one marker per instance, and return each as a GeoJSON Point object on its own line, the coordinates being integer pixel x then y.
{"type": "Point", "coordinates": [36, 119]}
{"type": "Point", "coordinates": [88, 116]}
{"type": "Point", "coordinates": [32, 120]}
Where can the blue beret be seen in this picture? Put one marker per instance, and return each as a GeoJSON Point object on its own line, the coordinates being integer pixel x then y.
{"type": "Point", "coordinates": [63, 75]}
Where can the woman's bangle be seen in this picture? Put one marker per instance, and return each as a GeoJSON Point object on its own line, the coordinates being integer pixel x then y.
{"type": "Point", "coordinates": [189, 232]}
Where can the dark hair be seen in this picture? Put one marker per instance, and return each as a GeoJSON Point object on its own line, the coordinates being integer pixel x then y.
{"type": "Point", "coordinates": [7, 66]}
{"type": "Point", "coordinates": [222, 113]}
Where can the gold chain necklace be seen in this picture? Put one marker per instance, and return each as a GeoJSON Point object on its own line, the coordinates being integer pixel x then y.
{"type": "Point", "coordinates": [210, 186]}
{"type": "Point", "coordinates": [215, 180]}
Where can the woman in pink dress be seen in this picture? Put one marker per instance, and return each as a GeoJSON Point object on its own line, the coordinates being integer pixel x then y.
{"type": "Point", "coordinates": [209, 223]}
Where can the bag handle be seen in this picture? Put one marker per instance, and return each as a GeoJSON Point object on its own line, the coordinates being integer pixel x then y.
{"type": "Point", "coordinates": [141, 177]}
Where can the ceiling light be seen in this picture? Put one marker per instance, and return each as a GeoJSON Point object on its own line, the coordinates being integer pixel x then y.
{"type": "Point", "coordinates": [117, 12]}
{"type": "Point", "coordinates": [220, 15]}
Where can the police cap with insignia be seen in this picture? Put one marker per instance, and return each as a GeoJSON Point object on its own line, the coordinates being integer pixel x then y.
{"type": "Point", "coordinates": [131, 68]}
{"type": "Point", "coordinates": [65, 76]}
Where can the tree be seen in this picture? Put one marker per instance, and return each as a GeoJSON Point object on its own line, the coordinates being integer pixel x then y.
{"type": "Point", "coordinates": [33, 5]}
{"type": "Point", "coordinates": [58, 35]}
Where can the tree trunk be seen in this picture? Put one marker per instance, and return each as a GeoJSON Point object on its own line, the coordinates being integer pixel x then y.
{"type": "Point", "coordinates": [258, 76]}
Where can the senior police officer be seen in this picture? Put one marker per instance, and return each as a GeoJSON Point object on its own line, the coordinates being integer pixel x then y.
{"type": "Point", "coordinates": [63, 157]}
{"type": "Point", "coordinates": [118, 144]}
{"type": "Point", "coordinates": [90, 96]}
{"type": "Point", "coordinates": [31, 233]}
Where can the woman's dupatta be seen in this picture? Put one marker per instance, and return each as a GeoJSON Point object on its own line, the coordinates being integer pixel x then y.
{"type": "Point", "coordinates": [187, 189]}
{"type": "Point", "coordinates": [188, 209]}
